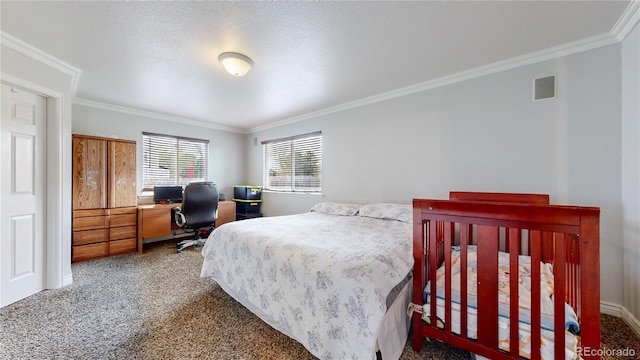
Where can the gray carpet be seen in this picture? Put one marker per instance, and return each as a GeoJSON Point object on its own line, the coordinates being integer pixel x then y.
{"type": "Point", "coordinates": [155, 306]}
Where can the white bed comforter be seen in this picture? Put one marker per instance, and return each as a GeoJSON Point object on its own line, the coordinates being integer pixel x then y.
{"type": "Point", "coordinates": [320, 279]}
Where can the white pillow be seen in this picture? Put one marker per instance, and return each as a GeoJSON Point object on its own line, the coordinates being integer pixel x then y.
{"type": "Point", "coordinates": [386, 211]}
{"type": "Point", "coordinates": [333, 208]}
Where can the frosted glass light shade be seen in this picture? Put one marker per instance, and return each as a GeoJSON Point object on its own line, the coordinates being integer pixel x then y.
{"type": "Point", "coordinates": [235, 64]}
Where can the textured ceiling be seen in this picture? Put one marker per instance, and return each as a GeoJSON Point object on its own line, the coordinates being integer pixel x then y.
{"type": "Point", "coordinates": [161, 57]}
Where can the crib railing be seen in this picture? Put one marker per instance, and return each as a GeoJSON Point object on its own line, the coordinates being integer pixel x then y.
{"type": "Point", "coordinates": [565, 237]}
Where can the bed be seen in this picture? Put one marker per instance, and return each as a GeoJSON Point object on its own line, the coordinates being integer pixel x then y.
{"type": "Point", "coordinates": [483, 240]}
{"type": "Point", "coordinates": [336, 279]}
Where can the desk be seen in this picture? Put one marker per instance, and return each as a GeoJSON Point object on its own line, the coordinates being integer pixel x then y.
{"type": "Point", "coordinates": [155, 220]}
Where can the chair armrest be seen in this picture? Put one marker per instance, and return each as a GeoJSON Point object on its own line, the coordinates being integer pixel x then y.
{"type": "Point", "coordinates": [180, 219]}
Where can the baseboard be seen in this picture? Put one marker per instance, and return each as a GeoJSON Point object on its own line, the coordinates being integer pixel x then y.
{"type": "Point", "coordinates": [621, 312]}
{"type": "Point", "coordinates": [610, 309]}
{"type": "Point", "coordinates": [67, 280]}
{"type": "Point", "coordinates": [631, 320]}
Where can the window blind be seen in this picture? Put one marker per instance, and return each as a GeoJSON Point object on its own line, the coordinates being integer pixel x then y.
{"type": "Point", "coordinates": [293, 164]}
{"type": "Point", "coordinates": [172, 160]}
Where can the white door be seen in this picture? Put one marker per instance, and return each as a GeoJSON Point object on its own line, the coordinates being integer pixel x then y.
{"type": "Point", "coordinates": [22, 194]}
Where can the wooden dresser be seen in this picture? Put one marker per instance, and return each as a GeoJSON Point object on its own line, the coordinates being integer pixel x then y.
{"type": "Point", "coordinates": [104, 197]}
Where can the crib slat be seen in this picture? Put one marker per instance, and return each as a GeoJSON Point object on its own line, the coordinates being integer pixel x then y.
{"type": "Point", "coordinates": [448, 234]}
{"type": "Point", "coordinates": [572, 255]}
{"type": "Point", "coordinates": [488, 241]}
{"type": "Point", "coordinates": [574, 262]}
{"type": "Point", "coordinates": [513, 241]}
{"type": "Point", "coordinates": [547, 248]}
{"type": "Point", "coordinates": [433, 266]}
{"type": "Point", "coordinates": [464, 242]}
{"type": "Point", "coordinates": [559, 294]}
{"type": "Point", "coordinates": [535, 240]}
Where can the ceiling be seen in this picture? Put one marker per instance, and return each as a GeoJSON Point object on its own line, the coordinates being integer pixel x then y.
{"type": "Point", "coordinates": [309, 57]}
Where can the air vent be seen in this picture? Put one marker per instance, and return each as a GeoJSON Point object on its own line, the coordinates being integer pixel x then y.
{"type": "Point", "coordinates": [544, 88]}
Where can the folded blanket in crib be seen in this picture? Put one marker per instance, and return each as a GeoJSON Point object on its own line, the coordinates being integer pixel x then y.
{"type": "Point", "coordinates": [524, 341]}
{"type": "Point", "coordinates": [524, 313]}
{"type": "Point", "coordinates": [524, 288]}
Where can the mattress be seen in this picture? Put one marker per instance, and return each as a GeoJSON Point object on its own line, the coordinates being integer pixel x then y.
{"type": "Point", "coordinates": [319, 278]}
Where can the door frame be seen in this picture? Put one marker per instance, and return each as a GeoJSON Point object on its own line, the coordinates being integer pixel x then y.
{"type": "Point", "coordinates": [57, 243]}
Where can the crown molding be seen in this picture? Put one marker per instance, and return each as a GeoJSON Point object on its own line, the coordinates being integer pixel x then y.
{"type": "Point", "coordinates": [629, 19]}
{"type": "Point", "coordinates": [499, 66]}
{"type": "Point", "coordinates": [154, 115]}
{"type": "Point", "coordinates": [28, 85]}
{"type": "Point", "coordinates": [33, 52]}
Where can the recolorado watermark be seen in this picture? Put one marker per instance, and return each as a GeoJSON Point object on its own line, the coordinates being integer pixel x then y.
{"type": "Point", "coordinates": [605, 351]}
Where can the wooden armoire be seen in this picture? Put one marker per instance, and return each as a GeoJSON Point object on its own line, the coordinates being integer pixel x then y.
{"type": "Point", "coordinates": [104, 197]}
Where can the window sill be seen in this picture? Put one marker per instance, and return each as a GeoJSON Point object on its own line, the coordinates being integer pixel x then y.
{"type": "Point", "coordinates": [295, 193]}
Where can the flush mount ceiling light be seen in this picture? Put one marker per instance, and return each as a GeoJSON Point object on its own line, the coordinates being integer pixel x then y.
{"type": "Point", "coordinates": [235, 64]}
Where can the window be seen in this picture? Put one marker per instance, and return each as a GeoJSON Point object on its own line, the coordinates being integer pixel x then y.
{"type": "Point", "coordinates": [172, 160]}
{"type": "Point", "coordinates": [293, 164]}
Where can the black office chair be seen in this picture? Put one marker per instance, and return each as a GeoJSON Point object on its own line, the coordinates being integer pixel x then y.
{"type": "Point", "coordinates": [199, 210]}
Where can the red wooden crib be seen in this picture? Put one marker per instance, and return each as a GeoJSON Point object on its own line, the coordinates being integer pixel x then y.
{"type": "Point", "coordinates": [479, 239]}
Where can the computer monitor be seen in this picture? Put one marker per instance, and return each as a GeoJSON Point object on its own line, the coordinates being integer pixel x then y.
{"type": "Point", "coordinates": [168, 194]}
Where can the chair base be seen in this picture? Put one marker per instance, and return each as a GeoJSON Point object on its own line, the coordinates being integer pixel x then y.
{"type": "Point", "coordinates": [196, 241]}
{"type": "Point", "coordinates": [188, 243]}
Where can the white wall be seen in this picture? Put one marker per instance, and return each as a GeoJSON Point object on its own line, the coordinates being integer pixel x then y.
{"type": "Point", "coordinates": [226, 149]}
{"type": "Point", "coordinates": [484, 134]}
{"type": "Point", "coordinates": [631, 171]}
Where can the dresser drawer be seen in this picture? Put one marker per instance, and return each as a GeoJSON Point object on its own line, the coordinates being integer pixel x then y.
{"type": "Point", "coordinates": [123, 232]}
{"type": "Point", "coordinates": [155, 222]}
{"type": "Point", "coordinates": [90, 223]}
{"type": "Point", "coordinates": [90, 236]}
{"type": "Point", "coordinates": [84, 252]}
{"type": "Point", "coordinates": [226, 212]}
{"type": "Point", "coordinates": [123, 246]}
{"type": "Point", "coordinates": [86, 213]}
{"type": "Point", "coordinates": [122, 211]}
{"type": "Point", "coordinates": [123, 220]}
